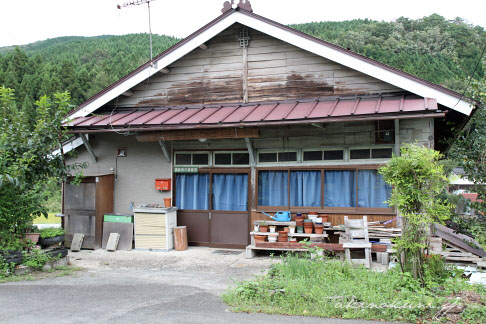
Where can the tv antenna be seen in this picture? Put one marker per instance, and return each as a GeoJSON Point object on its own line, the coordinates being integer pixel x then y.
{"type": "Point", "coordinates": [137, 3]}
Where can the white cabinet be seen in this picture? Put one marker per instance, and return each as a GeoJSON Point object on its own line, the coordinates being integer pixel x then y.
{"type": "Point", "coordinates": [154, 228]}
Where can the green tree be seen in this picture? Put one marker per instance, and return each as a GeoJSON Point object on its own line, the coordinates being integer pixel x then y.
{"type": "Point", "coordinates": [418, 179]}
{"type": "Point", "coordinates": [27, 162]}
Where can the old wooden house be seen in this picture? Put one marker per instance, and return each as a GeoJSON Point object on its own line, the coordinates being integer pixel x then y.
{"type": "Point", "coordinates": [247, 115]}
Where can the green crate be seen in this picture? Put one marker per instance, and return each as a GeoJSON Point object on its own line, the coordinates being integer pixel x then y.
{"type": "Point", "coordinates": [113, 218]}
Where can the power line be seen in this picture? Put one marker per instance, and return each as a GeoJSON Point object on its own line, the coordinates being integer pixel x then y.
{"type": "Point", "coordinates": [471, 77]}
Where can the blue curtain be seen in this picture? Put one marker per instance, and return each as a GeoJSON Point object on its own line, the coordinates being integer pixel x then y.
{"type": "Point", "coordinates": [192, 191]}
{"type": "Point", "coordinates": [339, 189]}
{"type": "Point", "coordinates": [230, 192]}
{"type": "Point", "coordinates": [373, 191]}
{"type": "Point", "coordinates": [305, 188]}
{"type": "Point", "coordinates": [272, 188]}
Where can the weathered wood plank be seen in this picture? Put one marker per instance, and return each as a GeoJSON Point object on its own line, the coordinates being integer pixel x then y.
{"type": "Point", "coordinates": [181, 135]}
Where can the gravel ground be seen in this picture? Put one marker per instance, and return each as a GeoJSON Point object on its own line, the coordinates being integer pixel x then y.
{"type": "Point", "coordinates": [141, 287]}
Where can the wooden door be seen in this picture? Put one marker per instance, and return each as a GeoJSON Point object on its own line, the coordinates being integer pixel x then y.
{"type": "Point", "coordinates": [84, 208]}
{"type": "Point", "coordinates": [80, 212]}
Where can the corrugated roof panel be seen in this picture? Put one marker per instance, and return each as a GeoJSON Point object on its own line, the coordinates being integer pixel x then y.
{"type": "Point", "coordinates": [322, 109]}
{"type": "Point", "coordinates": [111, 119]}
{"type": "Point", "coordinates": [366, 107]}
{"type": "Point", "coordinates": [160, 119]}
{"type": "Point", "coordinates": [301, 110]}
{"type": "Point", "coordinates": [181, 117]}
{"type": "Point", "coordinates": [344, 108]}
{"type": "Point", "coordinates": [200, 115]}
{"type": "Point", "coordinates": [260, 112]}
{"type": "Point", "coordinates": [148, 116]}
{"type": "Point", "coordinates": [128, 118]}
{"type": "Point", "coordinates": [390, 105]}
{"type": "Point", "coordinates": [219, 115]}
{"type": "Point", "coordinates": [280, 112]}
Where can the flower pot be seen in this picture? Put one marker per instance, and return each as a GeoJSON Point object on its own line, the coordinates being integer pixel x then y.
{"type": "Point", "coordinates": [300, 229]}
{"type": "Point", "coordinates": [309, 221]}
{"type": "Point", "coordinates": [291, 229]}
{"type": "Point", "coordinates": [299, 222]}
{"type": "Point", "coordinates": [283, 236]}
{"type": "Point", "coordinates": [263, 228]}
{"type": "Point", "coordinates": [308, 226]}
{"type": "Point", "coordinates": [286, 229]}
{"type": "Point", "coordinates": [51, 240]}
{"type": "Point", "coordinates": [33, 237]}
{"type": "Point", "coordinates": [272, 237]}
{"type": "Point", "coordinates": [325, 218]}
{"type": "Point", "coordinates": [312, 213]}
{"type": "Point", "coordinates": [167, 202]}
{"type": "Point", "coordinates": [319, 228]}
{"type": "Point", "coordinates": [255, 228]}
{"type": "Point", "coordinates": [272, 228]}
{"type": "Point", "coordinates": [259, 238]}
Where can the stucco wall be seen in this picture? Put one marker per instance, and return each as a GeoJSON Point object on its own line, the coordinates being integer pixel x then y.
{"type": "Point", "coordinates": [136, 173]}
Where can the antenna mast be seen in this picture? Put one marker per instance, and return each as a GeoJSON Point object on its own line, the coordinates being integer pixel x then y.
{"type": "Point", "coordinates": [136, 3]}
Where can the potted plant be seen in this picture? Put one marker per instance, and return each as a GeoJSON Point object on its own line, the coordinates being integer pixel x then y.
{"type": "Point", "coordinates": [51, 235]}
{"type": "Point", "coordinates": [32, 234]}
{"type": "Point", "coordinates": [264, 227]}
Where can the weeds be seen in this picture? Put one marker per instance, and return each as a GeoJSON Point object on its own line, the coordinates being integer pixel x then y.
{"type": "Point", "coordinates": [301, 286]}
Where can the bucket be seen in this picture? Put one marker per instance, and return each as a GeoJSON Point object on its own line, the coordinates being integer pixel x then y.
{"type": "Point", "coordinates": [167, 202]}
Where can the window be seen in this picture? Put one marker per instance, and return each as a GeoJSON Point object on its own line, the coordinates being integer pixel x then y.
{"type": "Point", "coordinates": [192, 158]}
{"type": "Point", "coordinates": [384, 132]}
{"type": "Point", "coordinates": [322, 188]}
{"type": "Point", "coordinates": [374, 191]}
{"type": "Point", "coordinates": [312, 156]}
{"type": "Point", "coordinates": [359, 154]}
{"type": "Point", "coordinates": [339, 188]}
{"type": "Point", "coordinates": [334, 155]}
{"type": "Point", "coordinates": [383, 153]}
{"type": "Point", "coordinates": [192, 191]}
{"type": "Point", "coordinates": [273, 188]}
{"type": "Point", "coordinates": [231, 158]}
{"type": "Point", "coordinates": [277, 157]}
{"type": "Point", "coordinates": [305, 188]}
{"type": "Point", "coordinates": [230, 191]}
{"type": "Point", "coordinates": [374, 153]}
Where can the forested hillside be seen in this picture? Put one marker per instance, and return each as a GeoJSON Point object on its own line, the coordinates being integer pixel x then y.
{"type": "Point", "coordinates": [441, 51]}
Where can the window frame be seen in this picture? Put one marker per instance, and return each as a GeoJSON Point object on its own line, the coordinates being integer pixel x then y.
{"type": "Point", "coordinates": [210, 160]}
{"type": "Point", "coordinates": [321, 208]}
{"type": "Point", "coordinates": [370, 148]}
{"type": "Point", "coordinates": [213, 155]}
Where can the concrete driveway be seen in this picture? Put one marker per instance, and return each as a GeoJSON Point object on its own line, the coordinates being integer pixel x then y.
{"type": "Point", "coordinates": [141, 287]}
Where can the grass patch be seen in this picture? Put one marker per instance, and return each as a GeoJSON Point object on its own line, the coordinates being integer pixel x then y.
{"type": "Point", "coordinates": [60, 271]}
{"type": "Point", "coordinates": [51, 219]}
{"type": "Point", "coordinates": [300, 286]}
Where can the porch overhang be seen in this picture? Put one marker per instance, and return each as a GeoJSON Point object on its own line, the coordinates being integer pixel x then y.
{"type": "Point", "coordinates": [310, 111]}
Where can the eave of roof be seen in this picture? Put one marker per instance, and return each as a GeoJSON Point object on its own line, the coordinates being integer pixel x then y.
{"type": "Point", "coordinates": [464, 106]}
{"type": "Point", "coordinates": [261, 114]}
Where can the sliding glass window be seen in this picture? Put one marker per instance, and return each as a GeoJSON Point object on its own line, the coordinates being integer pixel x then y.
{"type": "Point", "coordinates": [340, 188]}
{"type": "Point", "coordinates": [273, 188]}
{"type": "Point", "coordinates": [305, 188]}
{"type": "Point", "coordinates": [373, 191]}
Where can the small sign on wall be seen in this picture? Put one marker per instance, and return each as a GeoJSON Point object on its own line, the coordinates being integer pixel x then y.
{"type": "Point", "coordinates": [186, 170]}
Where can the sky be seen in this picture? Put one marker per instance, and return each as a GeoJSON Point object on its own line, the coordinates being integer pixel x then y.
{"type": "Point", "coordinates": [27, 21]}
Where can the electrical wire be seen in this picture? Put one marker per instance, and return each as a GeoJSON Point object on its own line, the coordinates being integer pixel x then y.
{"type": "Point", "coordinates": [472, 76]}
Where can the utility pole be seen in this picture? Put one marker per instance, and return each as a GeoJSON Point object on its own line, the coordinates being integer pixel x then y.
{"type": "Point", "coordinates": [136, 3]}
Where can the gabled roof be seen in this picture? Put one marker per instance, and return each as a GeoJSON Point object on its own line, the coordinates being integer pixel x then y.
{"type": "Point", "coordinates": [396, 77]}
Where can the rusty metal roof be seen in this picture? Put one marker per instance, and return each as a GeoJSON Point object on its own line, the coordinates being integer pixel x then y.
{"type": "Point", "coordinates": [231, 115]}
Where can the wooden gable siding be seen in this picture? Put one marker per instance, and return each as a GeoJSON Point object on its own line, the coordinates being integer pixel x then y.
{"type": "Point", "coordinates": [276, 71]}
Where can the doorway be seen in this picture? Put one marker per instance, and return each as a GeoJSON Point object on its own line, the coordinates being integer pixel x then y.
{"type": "Point", "coordinates": [214, 205]}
